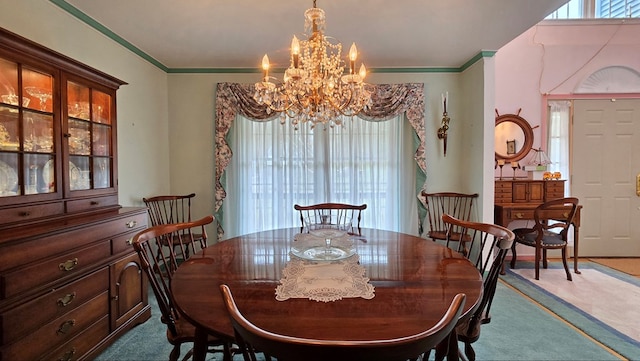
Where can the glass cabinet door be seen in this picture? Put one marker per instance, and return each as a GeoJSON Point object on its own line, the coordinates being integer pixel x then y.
{"type": "Point", "coordinates": [89, 137]}
{"type": "Point", "coordinates": [27, 143]}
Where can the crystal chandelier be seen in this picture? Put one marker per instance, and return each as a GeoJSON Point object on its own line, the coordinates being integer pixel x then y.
{"type": "Point", "coordinates": [314, 88]}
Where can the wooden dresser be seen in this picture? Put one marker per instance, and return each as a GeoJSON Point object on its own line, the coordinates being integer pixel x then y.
{"type": "Point", "coordinates": [70, 286]}
{"type": "Point", "coordinates": [69, 281]}
{"type": "Point", "coordinates": [517, 199]}
{"type": "Point", "coordinates": [527, 191]}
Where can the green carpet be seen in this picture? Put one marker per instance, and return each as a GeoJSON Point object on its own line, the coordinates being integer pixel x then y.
{"type": "Point", "coordinates": [519, 330]}
{"type": "Point", "coordinates": [598, 329]}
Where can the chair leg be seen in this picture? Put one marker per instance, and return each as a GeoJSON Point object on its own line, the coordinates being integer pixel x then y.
{"type": "Point", "coordinates": [544, 258]}
{"type": "Point", "coordinates": [175, 353]}
{"type": "Point", "coordinates": [564, 261]}
{"type": "Point", "coordinates": [441, 350]}
{"type": "Point", "coordinates": [514, 256]}
{"type": "Point", "coordinates": [537, 261]}
{"type": "Point", "coordinates": [469, 352]}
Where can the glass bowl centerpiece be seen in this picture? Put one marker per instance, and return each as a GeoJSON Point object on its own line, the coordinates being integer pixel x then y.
{"type": "Point", "coordinates": [325, 241]}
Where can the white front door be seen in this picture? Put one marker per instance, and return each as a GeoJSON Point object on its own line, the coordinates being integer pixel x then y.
{"type": "Point", "coordinates": [605, 164]}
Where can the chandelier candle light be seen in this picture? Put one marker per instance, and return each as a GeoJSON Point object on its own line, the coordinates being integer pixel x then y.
{"type": "Point", "coordinates": [314, 88]}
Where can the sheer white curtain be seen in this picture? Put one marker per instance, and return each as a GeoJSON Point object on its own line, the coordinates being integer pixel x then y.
{"type": "Point", "coordinates": [274, 167]}
{"type": "Point", "coordinates": [558, 138]}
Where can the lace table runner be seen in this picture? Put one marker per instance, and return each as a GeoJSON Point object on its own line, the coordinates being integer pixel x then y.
{"type": "Point", "coordinates": [324, 280]}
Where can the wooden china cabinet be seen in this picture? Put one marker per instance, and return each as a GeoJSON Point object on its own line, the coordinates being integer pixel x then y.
{"type": "Point", "coordinates": [69, 281]}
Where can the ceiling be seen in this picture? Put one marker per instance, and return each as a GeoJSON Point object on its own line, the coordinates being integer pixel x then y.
{"type": "Point", "coordinates": [205, 34]}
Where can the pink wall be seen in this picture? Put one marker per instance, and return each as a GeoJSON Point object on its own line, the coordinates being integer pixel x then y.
{"type": "Point", "coordinates": [553, 58]}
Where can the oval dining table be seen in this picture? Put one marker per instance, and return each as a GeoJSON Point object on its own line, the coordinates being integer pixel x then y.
{"type": "Point", "coordinates": [415, 280]}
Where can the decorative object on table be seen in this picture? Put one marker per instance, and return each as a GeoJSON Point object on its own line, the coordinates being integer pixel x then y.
{"type": "Point", "coordinates": [556, 175]}
{"type": "Point", "coordinates": [324, 267]}
{"type": "Point", "coordinates": [324, 243]}
{"type": "Point", "coordinates": [514, 166]}
{"type": "Point", "coordinates": [513, 137]}
{"type": "Point", "coordinates": [324, 281]}
{"type": "Point", "coordinates": [547, 176]}
{"type": "Point", "coordinates": [442, 131]}
{"type": "Point", "coordinates": [314, 88]}
{"type": "Point", "coordinates": [500, 163]}
{"type": "Point", "coordinates": [538, 164]}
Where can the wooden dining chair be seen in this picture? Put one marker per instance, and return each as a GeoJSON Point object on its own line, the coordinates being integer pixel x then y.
{"type": "Point", "coordinates": [547, 233]}
{"type": "Point", "coordinates": [291, 348]}
{"type": "Point", "coordinates": [169, 209]}
{"type": "Point", "coordinates": [331, 214]}
{"type": "Point", "coordinates": [160, 265]}
{"type": "Point", "coordinates": [487, 247]}
{"type": "Point", "coordinates": [457, 205]}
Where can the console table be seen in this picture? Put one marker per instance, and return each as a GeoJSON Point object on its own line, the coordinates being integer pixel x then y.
{"type": "Point", "coordinates": [517, 199]}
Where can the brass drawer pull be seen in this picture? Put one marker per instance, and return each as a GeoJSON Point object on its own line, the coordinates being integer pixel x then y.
{"type": "Point", "coordinates": [131, 224]}
{"type": "Point", "coordinates": [68, 265]}
{"type": "Point", "coordinates": [25, 214]}
{"type": "Point", "coordinates": [68, 356]}
{"type": "Point", "coordinates": [519, 215]}
{"type": "Point", "coordinates": [66, 300]}
{"type": "Point", "coordinates": [65, 327]}
{"type": "Point", "coordinates": [565, 215]}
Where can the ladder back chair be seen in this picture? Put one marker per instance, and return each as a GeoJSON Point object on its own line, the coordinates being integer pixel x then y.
{"type": "Point", "coordinates": [337, 214]}
{"type": "Point", "coordinates": [547, 233]}
{"type": "Point", "coordinates": [486, 241]}
{"type": "Point", "coordinates": [290, 348]}
{"type": "Point", "coordinates": [160, 265]}
{"type": "Point", "coordinates": [457, 205]}
{"type": "Point", "coordinates": [169, 209]}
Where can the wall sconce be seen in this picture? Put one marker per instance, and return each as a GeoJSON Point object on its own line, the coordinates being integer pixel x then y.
{"type": "Point", "coordinates": [442, 131]}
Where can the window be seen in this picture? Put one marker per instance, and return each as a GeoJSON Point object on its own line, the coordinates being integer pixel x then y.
{"type": "Point", "coordinates": [274, 167]}
{"type": "Point", "coordinates": [588, 9]}
{"type": "Point", "coordinates": [558, 146]}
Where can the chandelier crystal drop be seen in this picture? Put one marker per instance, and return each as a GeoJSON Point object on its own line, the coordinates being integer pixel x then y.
{"type": "Point", "coordinates": [314, 87]}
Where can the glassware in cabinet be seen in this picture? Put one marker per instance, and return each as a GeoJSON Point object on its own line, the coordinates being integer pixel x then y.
{"type": "Point", "coordinates": [26, 130]}
{"type": "Point", "coordinates": [89, 137]}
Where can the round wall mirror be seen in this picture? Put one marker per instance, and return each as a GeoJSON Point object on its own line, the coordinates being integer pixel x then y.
{"type": "Point", "coordinates": [513, 137]}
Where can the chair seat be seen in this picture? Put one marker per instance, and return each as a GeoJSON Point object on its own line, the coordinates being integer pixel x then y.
{"type": "Point", "coordinates": [185, 332]}
{"type": "Point", "coordinates": [527, 237]}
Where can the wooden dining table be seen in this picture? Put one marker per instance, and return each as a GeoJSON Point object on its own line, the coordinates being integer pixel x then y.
{"type": "Point", "coordinates": [415, 280]}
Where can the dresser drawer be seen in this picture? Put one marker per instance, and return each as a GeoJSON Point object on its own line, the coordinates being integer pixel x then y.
{"type": "Point", "coordinates": [503, 198]}
{"type": "Point", "coordinates": [59, 331]}
{"type": "Point", "coordinates": [25, 318]}
{"type": "Point", "coordinates": [15, 254]}
{"type": "Point", "coordinates": [28, 213]}
{"type": "Point", "coordinates": [554, 189]}
{"type": "Point", "coordinates": [82, 343]}
{"type": "Point", "coordinates": [79, 205]}
{"type": "Point", "coordinates": [41, 273]}
{"type": "Point", "coordinates": [516, 214]}
{"type": "Point", "coordinates": [121, 244]}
